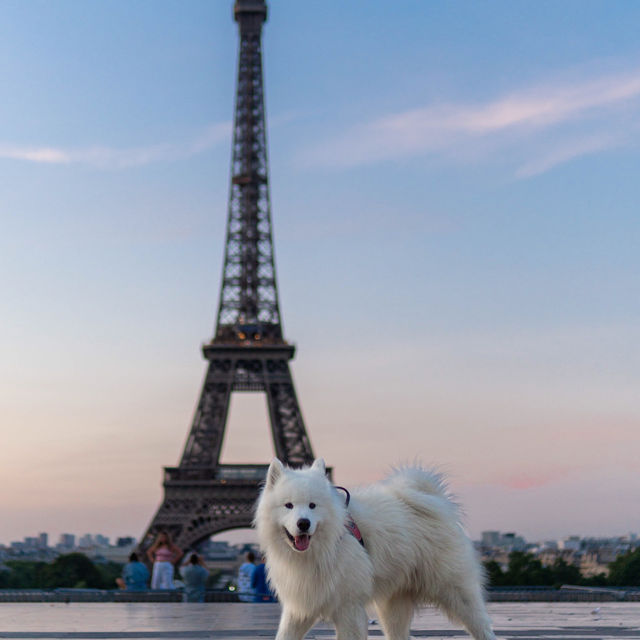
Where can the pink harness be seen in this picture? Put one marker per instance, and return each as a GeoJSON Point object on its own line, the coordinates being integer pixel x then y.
{"type": "Point", "coordinates": [350, 523]}
{"type": "Point", "coordinates": [352, 528]}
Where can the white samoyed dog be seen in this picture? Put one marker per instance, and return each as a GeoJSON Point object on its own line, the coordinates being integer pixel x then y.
{"type": "Point", "coordinates": [412, 552]}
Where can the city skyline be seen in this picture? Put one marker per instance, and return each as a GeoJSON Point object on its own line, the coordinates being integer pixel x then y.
{"type": "Point", "coordinates": [454, 194]}
{"type": "Point", "coordinates": [76, 540]}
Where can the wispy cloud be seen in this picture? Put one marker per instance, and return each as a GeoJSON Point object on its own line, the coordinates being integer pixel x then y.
{"type": "Point", "coordinates": [563, 152]}
{"type": "Point", "coordinates": [44, 155]}
{"type": "Point", "coordinates": [120, 158]}
{"type": "Point", "coordinates": [593, 107]}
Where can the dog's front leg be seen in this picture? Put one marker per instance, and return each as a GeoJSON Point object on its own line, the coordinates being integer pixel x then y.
{"type": "Point", "coordinates": [351, 622]}
{"type": "Point", "coordinates": [293, 627]}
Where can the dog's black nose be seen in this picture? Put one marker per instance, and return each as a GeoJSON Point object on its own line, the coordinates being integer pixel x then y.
{"type": "Point", "coordinates": [304, 524]}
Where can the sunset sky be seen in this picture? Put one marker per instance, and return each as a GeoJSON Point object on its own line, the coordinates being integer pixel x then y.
{"type": "Point", "coordinates": [454, 189]}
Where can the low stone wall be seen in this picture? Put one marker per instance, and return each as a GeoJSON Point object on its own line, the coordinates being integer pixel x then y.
{"type": "Point", "coordinates": [98, 595]}
{"type": "Point", "coordinates": [564, 594]}
{"type": "Point", "coordinates": [541, 594]}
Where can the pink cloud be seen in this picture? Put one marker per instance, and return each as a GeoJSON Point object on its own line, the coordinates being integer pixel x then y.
{"type": "Point", "coordinates": [478, 129]}
{"type": "Point", "coordinates": [531, 479]}
{"type": "Point", "coordinates": [526, 480]}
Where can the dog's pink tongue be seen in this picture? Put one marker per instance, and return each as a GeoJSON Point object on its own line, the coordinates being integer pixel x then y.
{"type": "Point", "coordinates": [302, 542]}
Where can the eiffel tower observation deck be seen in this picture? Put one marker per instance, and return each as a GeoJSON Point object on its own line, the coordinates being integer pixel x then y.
{"type": "Point", "coordinates": [248, 352]}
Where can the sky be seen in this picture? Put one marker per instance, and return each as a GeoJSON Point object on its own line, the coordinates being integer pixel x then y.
{"type": "Point", "coordinates": [454, 191]}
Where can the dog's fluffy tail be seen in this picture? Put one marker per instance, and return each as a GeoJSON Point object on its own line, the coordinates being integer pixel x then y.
{"type": "Point", "coordinates": [420, 478]}
{"type": "Point", "coordinates": [424, 489]}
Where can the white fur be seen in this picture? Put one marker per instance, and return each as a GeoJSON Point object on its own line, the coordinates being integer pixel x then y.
{"type": "Point", "coordinates": [415, 553]}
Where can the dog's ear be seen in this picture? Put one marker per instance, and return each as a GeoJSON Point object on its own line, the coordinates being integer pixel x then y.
{"type": "Point", "coordinates": [319, 466]}
{"type": "Point", "coordinates": [276, 469]}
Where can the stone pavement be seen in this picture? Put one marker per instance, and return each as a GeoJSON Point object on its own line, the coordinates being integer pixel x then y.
{"type": "Point", "coordinates": [156, 621]}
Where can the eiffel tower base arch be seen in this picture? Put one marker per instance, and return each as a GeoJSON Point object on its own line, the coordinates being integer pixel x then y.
{"type": "Point", "coordinates": [199, 503]}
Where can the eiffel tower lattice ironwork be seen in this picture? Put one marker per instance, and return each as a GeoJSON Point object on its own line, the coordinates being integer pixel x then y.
{"type": "Point", "coordinates": [248, 352]}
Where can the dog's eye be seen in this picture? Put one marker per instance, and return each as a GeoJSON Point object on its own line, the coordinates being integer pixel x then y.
{"type": "Point", "coordinates": [312, 505]}
{"type": "Point", "coordinates": [288, 505]}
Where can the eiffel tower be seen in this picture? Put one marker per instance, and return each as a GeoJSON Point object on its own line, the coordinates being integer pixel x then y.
{"type": "Point", "coordinates": [248, 352]}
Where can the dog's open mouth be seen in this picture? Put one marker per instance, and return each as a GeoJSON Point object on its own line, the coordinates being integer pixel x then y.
{"type": "Point", "coordinates": [301, 542]}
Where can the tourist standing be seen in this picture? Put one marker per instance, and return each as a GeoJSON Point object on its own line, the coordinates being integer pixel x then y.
{"type": "Point", "coordinates": [245, 574]}
{"type": "Point", "coordinates": [194, 575]}
{"type": "Point", "coordinates": [163, 554]}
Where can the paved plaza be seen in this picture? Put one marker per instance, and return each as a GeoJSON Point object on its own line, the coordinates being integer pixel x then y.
{"type": "Point", "coordinates": [155, 621]}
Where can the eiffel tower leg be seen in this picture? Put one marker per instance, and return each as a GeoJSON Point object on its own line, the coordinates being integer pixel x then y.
{"type": "Point", "coordinates": [190, 497]}
{"type": "Point", "coordinates": [207, 430]}
{"type": "Point", "coordinates": [289, 434]}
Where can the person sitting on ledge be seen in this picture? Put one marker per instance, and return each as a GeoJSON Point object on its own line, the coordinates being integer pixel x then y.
{"type": "Point", "coordinates": [135, 575]}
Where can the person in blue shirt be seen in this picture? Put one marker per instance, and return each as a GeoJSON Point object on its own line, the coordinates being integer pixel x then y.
{"type": "Point", "coordinates": [194, 575]}
{"type": "Point", "coordinates": [245, 574]}
{"type": "Point", "coordinates": [135, 575]}
{"type": "Point", "coordinates": [259, 584]}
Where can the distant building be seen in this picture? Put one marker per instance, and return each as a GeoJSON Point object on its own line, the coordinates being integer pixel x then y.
{"type": "Point", "coordinates": [494, 540]}
{"type": "Point", "coordinates": [85, 541]}
{"type": "Point", "coordinates": [112, 554]}
{"type": "Point", "coordinates": [513, 542]}
{"type": "Point", "coordinates": [595, 562]}
{"type": "Point", "coordinates": [572, 543]}
{"type": "Point", "coordinates": [125, 541]}
{"type": "Point", "coordinates": [66, 542]}
{"type": "Point", "coordinates": [43, 540]}
{"type": "Point", "coordinates": [490, 538]}
{"type": "Point", "coordinates": [31, 543]}
{"type": "Point", "coordinates": [548, 556]}
{"type": "Point", "coordinates": [100, 541]}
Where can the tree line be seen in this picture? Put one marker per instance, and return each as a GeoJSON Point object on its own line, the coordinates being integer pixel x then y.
{"type": "Point", "coordinates": [71, 570]}
{"type": "Point", "coordinates": [525, 570]}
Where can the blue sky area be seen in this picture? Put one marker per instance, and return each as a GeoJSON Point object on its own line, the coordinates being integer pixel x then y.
{"type": "Point", "coordinates": [454, 193]}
